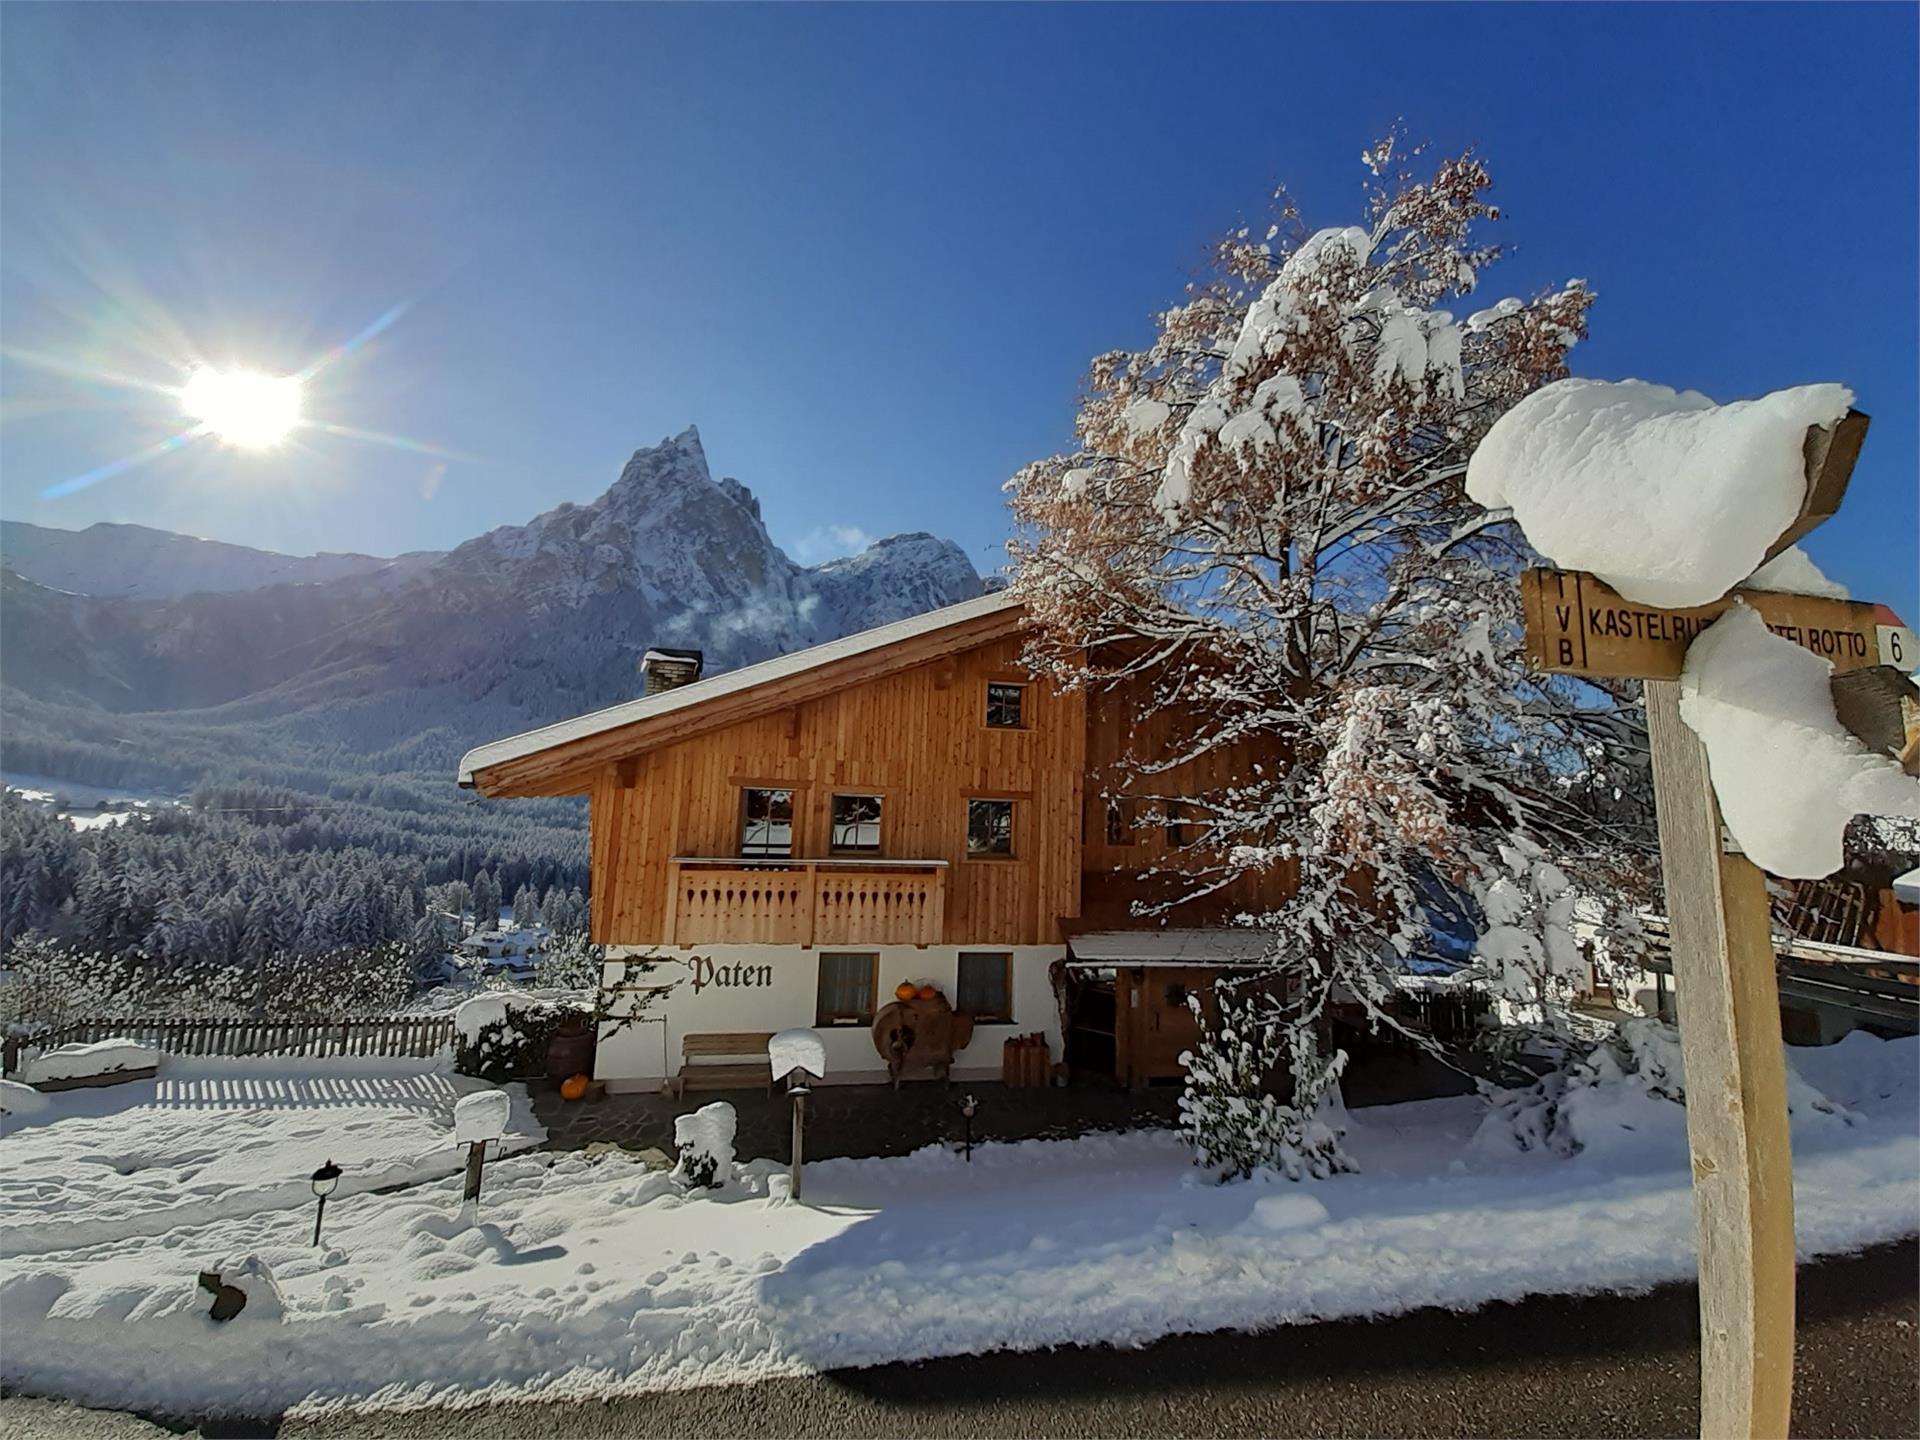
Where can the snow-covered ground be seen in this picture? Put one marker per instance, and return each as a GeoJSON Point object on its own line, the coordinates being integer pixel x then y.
{"type": "Point", "coordinates": [215, 1140]}
{"type": "Point", "coordinates": [592, 1275]}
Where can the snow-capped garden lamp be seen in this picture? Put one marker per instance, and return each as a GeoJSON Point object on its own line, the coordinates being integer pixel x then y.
{"type": "Point", "coordinates": [324, 1180]}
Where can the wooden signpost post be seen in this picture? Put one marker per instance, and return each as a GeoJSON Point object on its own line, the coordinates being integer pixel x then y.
{"type": "Point", "coordinates": [1723, 961]}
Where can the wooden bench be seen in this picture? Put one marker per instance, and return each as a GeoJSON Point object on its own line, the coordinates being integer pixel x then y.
{"type": "Point", "coordinates": [742, 1073]}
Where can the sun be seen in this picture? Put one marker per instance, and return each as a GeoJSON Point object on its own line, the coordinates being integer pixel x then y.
{"type": "Point", "coordinates": [243, 408]}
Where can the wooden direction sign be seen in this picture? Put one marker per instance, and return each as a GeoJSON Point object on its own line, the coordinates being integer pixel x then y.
{"type": "Point", "coordinates": [1579, 625]}
{"type": "Point", "coordinates": [1718, 919]}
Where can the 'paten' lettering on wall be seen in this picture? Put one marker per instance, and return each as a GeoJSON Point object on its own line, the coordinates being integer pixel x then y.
{"type": "Point", "coordinates": [739, 975]}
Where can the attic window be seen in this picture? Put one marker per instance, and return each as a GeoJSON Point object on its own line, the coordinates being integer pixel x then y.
{"type": "Point", "coordinates": [1004, 705]}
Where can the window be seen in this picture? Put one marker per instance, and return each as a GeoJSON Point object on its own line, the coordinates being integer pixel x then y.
{"type": "Point", "coordinates": [856, 823]}
{"type": "Point", "coordinates": [1119, 822]}
{"type": "Point", "coordinates": [1004, 705]}
{"type": "Point", "coordinates": [986, 987]}
{"type": "Point", "coordinates": [1180, 829]}
{"type": "Point", "coordinates": [990, 827]}
{"type": "Point", "coordinates": [766, 823]}
{"type": "Point", "coordinates": [848, 986]}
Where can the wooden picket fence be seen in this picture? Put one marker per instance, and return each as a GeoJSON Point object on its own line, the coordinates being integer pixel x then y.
{"type": "Point", "coordinates": [421, 1036]}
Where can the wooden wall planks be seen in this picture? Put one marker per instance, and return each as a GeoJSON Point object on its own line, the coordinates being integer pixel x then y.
{"type": "Point", "coordinates": [919, 739]}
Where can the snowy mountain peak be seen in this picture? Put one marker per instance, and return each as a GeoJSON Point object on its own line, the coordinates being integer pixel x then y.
{"type": "Point", "coordinates": [519, 626]}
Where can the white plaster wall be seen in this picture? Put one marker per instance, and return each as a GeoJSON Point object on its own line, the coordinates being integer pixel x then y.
{"type": "Point", "coordinates": [641, 1056]}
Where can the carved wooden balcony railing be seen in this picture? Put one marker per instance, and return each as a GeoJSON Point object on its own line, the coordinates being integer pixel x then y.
{"type": "Point", "coordinates": [805, 902]}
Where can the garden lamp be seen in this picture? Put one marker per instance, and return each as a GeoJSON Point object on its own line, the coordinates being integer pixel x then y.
{"type": "Point", "coordinates": [324, 1181]}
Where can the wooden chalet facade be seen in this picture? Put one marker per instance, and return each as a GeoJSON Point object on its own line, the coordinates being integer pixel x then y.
{"type": "Point", "coordinates": [795, 839]}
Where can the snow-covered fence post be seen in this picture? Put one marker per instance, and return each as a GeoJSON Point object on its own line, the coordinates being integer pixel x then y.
{"type": "Point", "coordinates": [798, 1057]}
{"type": "Point", "coordinates": [1659, 625]}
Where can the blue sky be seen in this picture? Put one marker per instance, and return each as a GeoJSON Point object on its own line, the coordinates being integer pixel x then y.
{"type": "Point", "coordinates": [870, 250]}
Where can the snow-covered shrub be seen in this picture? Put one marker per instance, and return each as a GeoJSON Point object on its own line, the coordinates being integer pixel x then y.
{"type": "Point", "coordinates": [1228, 1111]}
{"type": "Point", "coordinates": [501, 1036]}
{"type": "Point", "coordinates": [1633, 1081]}
{"type": "Point", "coordinates": [705, 1142]}
{"type": "Point", "coordinates": [570, 962]}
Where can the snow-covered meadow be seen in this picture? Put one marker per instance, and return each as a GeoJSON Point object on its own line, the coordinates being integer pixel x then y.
{"type": "Point", "coordinates": [215, 1140]}
{"type": "Point", "coordinates": [589, 1275]}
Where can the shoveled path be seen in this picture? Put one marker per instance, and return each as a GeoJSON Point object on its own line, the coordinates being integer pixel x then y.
{"type": "Point", "coordinates": [1551, 1366]}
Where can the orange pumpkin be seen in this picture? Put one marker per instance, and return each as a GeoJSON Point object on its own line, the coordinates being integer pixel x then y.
{"type": "Point", "coordinates": [904, 990]}
{"type": "Point", "coordinates": [927, 992]}
{"type": "Point", "coordinates": [573, 1087]}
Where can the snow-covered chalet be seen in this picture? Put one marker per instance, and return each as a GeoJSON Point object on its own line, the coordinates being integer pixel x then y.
{"type": "Point", "coordinates": [904, 811]}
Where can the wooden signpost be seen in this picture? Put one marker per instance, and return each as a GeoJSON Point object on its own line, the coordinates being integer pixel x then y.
{"type": "Point", "coordinates": [1723, 961]}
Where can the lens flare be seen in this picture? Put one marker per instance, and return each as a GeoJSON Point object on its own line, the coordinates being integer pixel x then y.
{"type": "Point", "coordinates": [243, 408]}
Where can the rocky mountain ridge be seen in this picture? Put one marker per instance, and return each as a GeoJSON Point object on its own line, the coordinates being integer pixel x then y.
{"type": "Point", "coordinates": [401, 665]}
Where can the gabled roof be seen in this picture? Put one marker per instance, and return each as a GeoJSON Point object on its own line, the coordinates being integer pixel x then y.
{"type": "Point", "coordinates": [551, 760]}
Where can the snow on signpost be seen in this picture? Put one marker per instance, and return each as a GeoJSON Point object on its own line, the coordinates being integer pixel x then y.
{"type": "Point", "coordinates": [478, 1118]}
{"type": "Point", "coordinates": [1660, 503]}
{"type": "Point", "coordinates": [799, 1057]}
{"type": "Point", "coordinates": [481, 1116]}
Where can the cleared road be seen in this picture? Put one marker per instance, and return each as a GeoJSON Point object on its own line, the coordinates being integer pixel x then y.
{"type": "Point", "coordinates": [1598, 1366]}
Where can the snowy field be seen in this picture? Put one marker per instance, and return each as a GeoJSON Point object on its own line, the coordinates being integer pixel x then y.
{"type": "Point", "coordinates": [220, 1139]}
{"type": "Point", "coordinates": [592, 1275]}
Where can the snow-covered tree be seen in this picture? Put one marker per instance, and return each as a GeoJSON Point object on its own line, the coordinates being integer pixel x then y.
{"type": "Point", "coordinates": [1229, 1112]}
{"type": "Point", "coordinates": [1264, 524]}
{"type": "Point", "coordinates": [486, 902]}
{"type": "Point", "coordinates": [526, 908]}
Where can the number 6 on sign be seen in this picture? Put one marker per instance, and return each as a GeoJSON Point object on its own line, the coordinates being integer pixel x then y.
{"type": "Point", "coordinates": [1898, 647]}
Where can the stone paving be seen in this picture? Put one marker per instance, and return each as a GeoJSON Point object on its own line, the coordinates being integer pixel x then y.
{"type": "Point", "coordinates": [856, 1120]}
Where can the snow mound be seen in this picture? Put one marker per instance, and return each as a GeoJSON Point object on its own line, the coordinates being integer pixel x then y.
{"type": "Point", "coordinates": [483, 1115]}
{"type": "Point", "coordinates": [797, 1049]}
{"type": "Point", "coordinates": [1288, 1212]}
{"type": "Point", "coordinates": [82, 1062]}
{"type": "Point", "coordinates": [1629, 1093]}
{"type": "Point", "coordinates": [20, 1101]}
{"type": "Point", "coordinates": [705, 1142]}
{"type": "Point", "coordinates": [476, 1014]}
{"type": "Point", "coordinates": [1669, 498]}
{"type": "Point", "coordinates": [253, 1277]}
{"type": "Point", "coordinates": [1788, 774]}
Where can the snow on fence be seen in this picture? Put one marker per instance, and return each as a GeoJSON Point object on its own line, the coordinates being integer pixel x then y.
{"type": "Point", "coordinates": [421, 1036]}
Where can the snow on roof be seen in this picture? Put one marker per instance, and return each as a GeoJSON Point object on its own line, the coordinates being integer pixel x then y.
{"type": "Point", "coordinates": [731, 682]}
{"type": "Point", "coordinates": [1169, 947]}
{"type": "Point", "coordinates": [1667, 497]}
{"type": "Point", "coordinates": [1906, 888]}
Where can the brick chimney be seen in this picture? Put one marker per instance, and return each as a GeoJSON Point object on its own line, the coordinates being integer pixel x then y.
{"type": "Point", "coordinates": [669, 669]}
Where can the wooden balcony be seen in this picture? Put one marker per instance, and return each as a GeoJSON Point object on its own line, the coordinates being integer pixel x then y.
{"type": "Point", "coordinates": [805, 902]}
